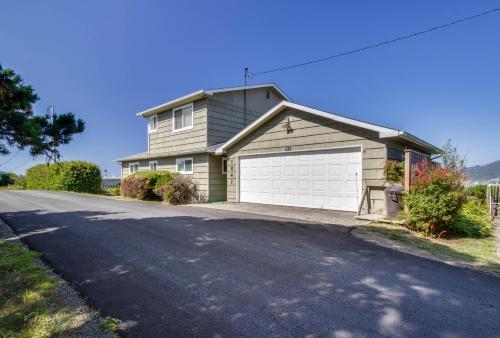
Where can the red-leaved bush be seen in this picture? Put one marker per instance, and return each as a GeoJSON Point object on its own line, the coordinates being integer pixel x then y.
{"type": "Point", "coordinates": [135, 186]}
{"type": "Point", "coordinates": [434, 200]}
{"type": "Point", "coordinates": [180, 190]}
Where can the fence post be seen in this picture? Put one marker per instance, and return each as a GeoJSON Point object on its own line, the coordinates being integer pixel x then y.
{"type": "Point", "coordinates": [408, 159]}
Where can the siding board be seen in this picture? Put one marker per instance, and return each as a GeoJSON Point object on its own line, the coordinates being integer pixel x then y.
{"type": "Point", "coordinates": [312, 133]}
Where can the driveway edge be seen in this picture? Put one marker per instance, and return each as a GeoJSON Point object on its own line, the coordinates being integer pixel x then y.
{"type": "Point", "coordinates": [383, 241]}
{"type": "Point", "coordinates": [85, 321]}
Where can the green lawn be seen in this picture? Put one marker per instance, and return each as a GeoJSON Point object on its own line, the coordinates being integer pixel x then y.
{"type": "Point", "coordinates": [478, 253]}
{"type": "Point", "coordinates": [29, 303]}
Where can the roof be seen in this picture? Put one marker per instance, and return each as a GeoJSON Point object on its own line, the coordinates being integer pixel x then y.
{"type": "Point", "coordinates": [204, 93]}
{"type": "Point", "coordinates": [384, 132]}
{"type": "Point", "coordinates": [145, 155]}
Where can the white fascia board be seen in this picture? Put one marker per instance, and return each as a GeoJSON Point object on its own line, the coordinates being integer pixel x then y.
{"type": "Point", "coordinates": [420, 142]}
{"type": "Point", "coordinates": [383, 131]}
{"type": "Point", "coordinates": [202, 93]}
{"type": "Point", "coordinates": [266, 85]}
{"type": "Point", "coordinates": [170, 104]}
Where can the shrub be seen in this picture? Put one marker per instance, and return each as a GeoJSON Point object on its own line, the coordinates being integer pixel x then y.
{"type": "Point", "coordinates": [20, 182]}
{"type": "Point", "coordinates": [78, 176]}
{"type": "Point", "coordinates": [179, 190]}
{"type": "Point", "coordinates": [435, 198]}
{"type": "Point", "coordinates": [7, 179]}
{"type": "Point", "coordinates": [114, 191]}
{"type": "Point", "coordinates": [394, 171]}
{"type": "Point", "coordinates": [44, 176]}
{"type": "Point", "coordinates": [477, 191]}
{"type": "Point", "coordinates": [473, 220]}
{"type": "Point", "coordinates": [145, 185]}
{"type": "Point", "coordinates": [136, 187]}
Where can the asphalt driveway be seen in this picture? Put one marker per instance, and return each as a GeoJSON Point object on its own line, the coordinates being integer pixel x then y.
{"type": "Point", "coordinates": [186, 271]}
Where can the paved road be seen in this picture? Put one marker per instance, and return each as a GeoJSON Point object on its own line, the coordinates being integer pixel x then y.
{"type": "Point", "coordinates": [186, 271]}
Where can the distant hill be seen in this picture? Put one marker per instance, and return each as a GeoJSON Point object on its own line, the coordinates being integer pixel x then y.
{"type": "Point", "coordinates": [485, 172]}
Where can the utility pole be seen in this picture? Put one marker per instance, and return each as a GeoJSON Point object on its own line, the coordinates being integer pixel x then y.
{"type": "Point", "coordinates": [247, 76]}
{"type": "Point", "coordinates": [51, 112]}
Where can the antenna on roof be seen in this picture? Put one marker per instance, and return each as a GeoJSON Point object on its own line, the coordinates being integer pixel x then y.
{"type": "Point", "coordinates": [247, 75]}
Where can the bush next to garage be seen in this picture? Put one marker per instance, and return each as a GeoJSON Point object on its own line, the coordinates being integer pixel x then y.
{"type": "Point", "coordinates": [473, 220]}
{"type": "Point", "coordinates": [145, 185]}
{"type": "Point", "coordinates": [77, 176]}
{"type": "Point", "coordinates": [435, 199]}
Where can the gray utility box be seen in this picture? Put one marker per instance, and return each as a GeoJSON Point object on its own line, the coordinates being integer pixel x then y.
{"type": "Point", "coordinates": [393, 200]}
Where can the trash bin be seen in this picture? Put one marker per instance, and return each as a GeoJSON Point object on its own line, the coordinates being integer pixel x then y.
{"type": "Point", "coordinates": [393, 199]}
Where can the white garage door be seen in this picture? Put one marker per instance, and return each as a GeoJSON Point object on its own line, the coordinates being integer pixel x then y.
{"type": "Point", "coordinates": [329, 179]}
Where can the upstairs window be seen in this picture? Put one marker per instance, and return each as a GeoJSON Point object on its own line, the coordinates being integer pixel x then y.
{"type": "Point", "coordinates": [133, 167]}
{"type": "Point", "coordinates": [183, 117]}
{"type": "Point", "coordinates": [153, 123]}
{"type": "Point", "coordinates": [184, 165]}
{"type": "Point", "coordinates": [153, 165]}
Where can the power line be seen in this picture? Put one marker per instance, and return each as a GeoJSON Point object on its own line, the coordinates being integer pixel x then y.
{"type": "Point", "coordinates": [22, 165]}
{"type": "Point", "coordinates": [11, 158]}
{"type": "Point", "coordinates": [380, 43]}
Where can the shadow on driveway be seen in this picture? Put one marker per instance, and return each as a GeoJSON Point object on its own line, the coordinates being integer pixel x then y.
{"type": "Point", "coordinates": [230, 276]}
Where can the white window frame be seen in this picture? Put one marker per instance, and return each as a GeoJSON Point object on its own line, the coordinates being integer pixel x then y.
{"type": "Point", "coordinates": [155, 117]}
{"type": "Point", "coordinates": [155, 163]}
{"type": "Point", "coordinates": [224, 159]}
{"type": "Point", "coordinates": [130, 167]}
{"type": "Point", "coordinates": [192, 117]}
{"type": "Point", "coordinates": [183, 159]}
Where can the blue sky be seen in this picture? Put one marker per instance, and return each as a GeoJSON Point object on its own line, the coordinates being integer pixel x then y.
{"type": "Point", "coordinates": [107, 60]}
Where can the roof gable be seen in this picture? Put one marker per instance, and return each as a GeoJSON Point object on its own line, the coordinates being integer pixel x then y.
{"type": "Point", "coordinates": [383, 132]}
{"type": "Point", "coordinates": [204, 93]}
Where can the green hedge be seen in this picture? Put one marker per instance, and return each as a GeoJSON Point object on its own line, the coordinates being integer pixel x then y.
{"type": "Point", "coordinates": [78, 176]}
{"type": "Point", "coordinates": [7, 179]}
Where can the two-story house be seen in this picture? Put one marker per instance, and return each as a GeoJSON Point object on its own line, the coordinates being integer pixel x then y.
{"type": "Point", "coordinates": [252, 144]}
{"type": "Point", "coordinates": [184, 133]}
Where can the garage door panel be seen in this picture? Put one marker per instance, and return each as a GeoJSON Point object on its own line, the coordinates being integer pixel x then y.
{"type": "Point", "coordinates": [319, 185]}
{"type": "Point", "coordinates": [321, 179]}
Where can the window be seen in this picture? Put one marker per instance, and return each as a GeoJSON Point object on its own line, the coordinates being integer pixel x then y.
{"type": "Point", "coordinates": [184, 165]}
{"type": "Point", "coordinates": [133, 167]}
{"type": "Point", "coordinates": [395, 154]}
{"type": "Point", "coordinates": [268, 94]}
{"type": "Point", "coordinates": [183, 117]}
{"type": "Point", "coordinates": [153, 165]}
{"type": "Point", "coordinates": [153, 123]}
{"type": "Point", "coordinates": [224, 165]}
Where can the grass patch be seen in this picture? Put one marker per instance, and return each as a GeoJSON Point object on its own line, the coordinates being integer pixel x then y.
{"type": "Point", "coordinates": [29, 303]}
{"type": "Point", "coordinates": [109, 324]}
{"type": "Point", "coordinates": [479, 253]}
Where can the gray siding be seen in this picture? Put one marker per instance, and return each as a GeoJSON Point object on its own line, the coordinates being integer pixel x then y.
{"type": "Point", "coordinates": [216, 179]}
{"type": "Point", "coordinates": [166, 140]}
{"type": "Point", "coordinates": [200, 169]}
{"type": "Point", "coordinates": [226, 115]}
{"type": "Point", "coordinates": [312, 132]}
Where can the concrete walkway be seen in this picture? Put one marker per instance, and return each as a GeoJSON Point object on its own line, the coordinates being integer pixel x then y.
{"type": "Point", "coordinates": [343, 218]}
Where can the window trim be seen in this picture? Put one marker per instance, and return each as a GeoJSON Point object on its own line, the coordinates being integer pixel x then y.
{"type": "Point", "coordinates": [192, 117]}
{"type": "Point", "coordinates": [223, 159]}
{"type": "Point", "coordinates": [130, 165]}
{"type": "Point", "coordinates": [156, 164]}
{"type": "Point", "coordinates": [182, 159]}
{"type": "Point", "coordinates": [155, 116]}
